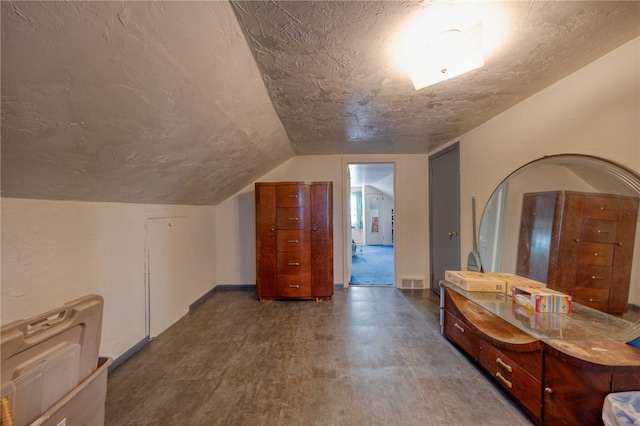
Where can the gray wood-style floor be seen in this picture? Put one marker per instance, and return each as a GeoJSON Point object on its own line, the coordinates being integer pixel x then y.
{"type": "Point", "coordinates": [371, 356]}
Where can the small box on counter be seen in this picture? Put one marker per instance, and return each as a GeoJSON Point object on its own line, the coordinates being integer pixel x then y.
{"type": "Point", "coordinates": [561, 302]}
{"type": "Point", "coordinates": [541, 300]}
{"type": "Point", "coordinates": [513, 279]}
{"type": "Point", "coordinates": [475, 281]}
{"type": "Point", "coordinates": [532, 298]}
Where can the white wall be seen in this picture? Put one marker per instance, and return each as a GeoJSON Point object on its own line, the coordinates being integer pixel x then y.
{"type": "Point", "coordinates": [236, 229]}
{"type": "Point", "coordinates": [54, 251]}
{"type": "Point", "coordinates": [594, 111]}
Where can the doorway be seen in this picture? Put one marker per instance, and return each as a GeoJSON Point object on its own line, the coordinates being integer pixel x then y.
{"type": "Point", "coordinates": [371, 213]}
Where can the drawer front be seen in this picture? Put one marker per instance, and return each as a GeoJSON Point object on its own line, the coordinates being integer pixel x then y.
{"type": "Point", "coordinates": [595, 254]}
{"type": "Point", "coordinates": [461, 334]}
{"type": "Point", "coordinates": [605, 208]}
{"type": "Point", "coordinates": [294, 285]}
{"type": "Point", "coordinates": [592, 276]}
{"type": "Point", "coordinates": [599, 231]}
{"type": "Point", "coordinates": [292, 218]}
{"type": "Point", "coordinates": [595, 298]}
{"type": "Point", "coordinates": [292, 263]}
{"type": "Point", "coordinates": [294, 240]}
{"type": "Point", "coordinates": [513, 378]}
{"type": "Point", "coordinates": [292, 195]}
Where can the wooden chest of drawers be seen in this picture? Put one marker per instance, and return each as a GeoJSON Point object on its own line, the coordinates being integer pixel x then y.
{"type": "Point", "coordinates": [580, 244]}
{"type": "Point", "coordinates": [294, 240]}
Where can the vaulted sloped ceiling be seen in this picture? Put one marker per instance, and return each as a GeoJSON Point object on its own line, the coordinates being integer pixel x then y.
{"type": "Point", "coordinates": [143, 102]}
{"type": "Point", "coordinates": [188, 102]}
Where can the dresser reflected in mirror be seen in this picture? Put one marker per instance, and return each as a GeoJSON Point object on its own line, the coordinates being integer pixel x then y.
{"type": "Point", "coordinates": [570, 221]}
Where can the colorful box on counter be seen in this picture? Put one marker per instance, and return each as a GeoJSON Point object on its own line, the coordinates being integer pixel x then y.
{"type": "Point", "coordinates": [475, 281]}
{"type": "Point", "coordinates": [541, 300]}
{"type": "Point", "coordinates": [532, 298]}
{"type": "Point", "coordinates": [513, 279]}
{"type": "Point", "coordinates": [561, 303]}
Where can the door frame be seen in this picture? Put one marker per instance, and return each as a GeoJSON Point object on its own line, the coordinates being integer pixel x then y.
{"type": "Point", "coordinates": [432, 206]}
{"type": "Point", "coordinates": [346, 212]}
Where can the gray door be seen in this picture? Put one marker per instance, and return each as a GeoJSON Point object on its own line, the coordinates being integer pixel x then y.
{"type": "Point", "coordinates": [444, 213]}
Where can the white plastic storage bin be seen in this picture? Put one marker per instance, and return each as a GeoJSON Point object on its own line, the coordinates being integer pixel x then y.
{"type": "Point", "coordinates": [50, 369]}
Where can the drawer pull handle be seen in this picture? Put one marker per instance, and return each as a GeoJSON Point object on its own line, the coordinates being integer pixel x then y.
{"type": "Point", "coordinates": [459, 327]}
{"type": "Point", "coordinates": [595, 277]}
{"type": "Point", "coordinates": [577, 240]}
{"type": "Point", "coordinates": [599, 254]}
{"type": "Point", "coordinates": [294, 286]}
{"type": "Point", "coordinates": [504, 365]}
{"type": "Point", "coordinates": [602, 232]}
{"type": "Point", "coordinates": [294, 264]}
{"type": "Point", "coordinates": [293, 241]}
{"type": "Point", "coordinates": [548, 390]}
{"type": "Point", "coordinates": [293, 196]}
{"type": "Point", "coordinates": [605, 209]}
{"type": "Point", "coordinates": [503, 380]}
{"type": "Point", "coordinates": [594, 300]}
{"type": "Point", "coordinates": [293, 218]}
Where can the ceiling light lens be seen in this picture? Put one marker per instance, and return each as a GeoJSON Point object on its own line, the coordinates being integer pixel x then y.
{"type": "Point", "coordinates": [450, 54]}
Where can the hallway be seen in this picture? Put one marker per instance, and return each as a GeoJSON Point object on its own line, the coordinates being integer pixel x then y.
{"type": "Point", "coordinates": [372, 356]}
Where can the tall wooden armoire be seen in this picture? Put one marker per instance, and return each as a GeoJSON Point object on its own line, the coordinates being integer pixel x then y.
{"type": "Point", "coordinates": [580, 244]}
{"type": "Point", "coordinates": [294, 240]}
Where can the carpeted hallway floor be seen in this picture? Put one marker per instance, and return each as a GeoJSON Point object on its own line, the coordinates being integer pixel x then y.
{"type": "Point", "coordinates": [372, 265]}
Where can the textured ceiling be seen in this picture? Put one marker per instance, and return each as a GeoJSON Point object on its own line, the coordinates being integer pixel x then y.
{"type": "Point", "coordinates": [143, 102]}
{"type": "Point", "coordinates": [329, 68]}
{"type": "Point", "coordinates": [163, 102]}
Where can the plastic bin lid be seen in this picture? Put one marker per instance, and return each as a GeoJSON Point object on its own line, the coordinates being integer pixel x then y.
{"type": "Point", "coordinates": [27, 343]}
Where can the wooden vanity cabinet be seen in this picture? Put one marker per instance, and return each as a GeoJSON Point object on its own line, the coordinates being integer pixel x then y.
{"type": "Point", "coordinates": [512, 357]}
{"type": "Point", "coordinates": [294, 240]}
{"type": "Point", "coordinates": [580, 244]}
{"type": "Point", "coordinates": [556, 381]}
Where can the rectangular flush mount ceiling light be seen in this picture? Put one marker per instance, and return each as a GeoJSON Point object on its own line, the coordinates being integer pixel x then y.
{"type": "Point", "coordinates": [447, 55]}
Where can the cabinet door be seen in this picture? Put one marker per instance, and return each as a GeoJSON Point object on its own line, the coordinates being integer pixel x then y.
{"type": "Point", "coordinates": [266, 241]}
{"type": "Point", "coordinates": [536, 228]}
{"type": "Point", "coordinates": [573, 396]}
{"type": "Point", "coordinates": [322, 239]}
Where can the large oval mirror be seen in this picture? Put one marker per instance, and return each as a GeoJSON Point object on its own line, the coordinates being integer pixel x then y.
{"type": "Point", "coordinates": [571, 221]}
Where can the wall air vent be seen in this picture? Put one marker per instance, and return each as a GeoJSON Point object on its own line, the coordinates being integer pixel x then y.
{"type": "Point", "coordinates": [412, 282]}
